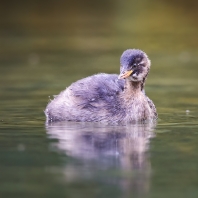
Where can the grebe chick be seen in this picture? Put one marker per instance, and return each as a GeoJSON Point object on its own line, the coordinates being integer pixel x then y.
{"type": "Point", "coordinates": [107, 97]}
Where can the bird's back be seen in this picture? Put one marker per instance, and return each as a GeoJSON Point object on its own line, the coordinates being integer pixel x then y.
{"type": "Point", "coordinates": [91, 99]}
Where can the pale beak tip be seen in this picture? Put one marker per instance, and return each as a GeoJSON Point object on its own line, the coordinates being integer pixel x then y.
{"type": "Point", "coordinates": [125, 74]}
{"type": "Point", "coordinates": [120, 77]}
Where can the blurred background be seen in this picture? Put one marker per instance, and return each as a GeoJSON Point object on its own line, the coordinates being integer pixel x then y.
{"type": "Point", "coordinates": [47, 45]}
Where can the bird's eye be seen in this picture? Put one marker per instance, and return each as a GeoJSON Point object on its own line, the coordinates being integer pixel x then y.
{"type": "Point", "coordinates": [134, 65]}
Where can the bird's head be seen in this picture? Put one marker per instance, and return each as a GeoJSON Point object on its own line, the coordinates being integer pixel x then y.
{"type": "Point", "coordinates": [134, 65]}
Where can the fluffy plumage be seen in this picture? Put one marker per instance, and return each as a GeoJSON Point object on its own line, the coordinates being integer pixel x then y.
{"type": "Point", "coordinates": [105, 97]}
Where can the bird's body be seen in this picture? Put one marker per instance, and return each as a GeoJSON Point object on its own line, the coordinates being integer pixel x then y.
{"type": "Point", "coordinates": [103, 98]}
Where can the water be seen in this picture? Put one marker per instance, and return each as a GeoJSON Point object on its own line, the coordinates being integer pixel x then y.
{"type": "Point", "coordinates": [43, 50]}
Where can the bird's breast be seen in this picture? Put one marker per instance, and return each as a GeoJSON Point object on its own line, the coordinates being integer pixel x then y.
{"type": "Point", "coordinates": [136, 108]}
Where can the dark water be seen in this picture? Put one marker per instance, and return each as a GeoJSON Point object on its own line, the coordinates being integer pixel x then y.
{"type": "Point", "coordinates": [46, 47]}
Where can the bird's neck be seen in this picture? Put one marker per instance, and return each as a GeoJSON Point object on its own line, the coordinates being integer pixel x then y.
{"type": "Point", "coordinates": [132, 87]}
{"type": "Point", "coordinates": [132, 92]}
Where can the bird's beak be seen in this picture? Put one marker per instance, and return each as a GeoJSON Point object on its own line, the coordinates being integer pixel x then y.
{"type": "Point", "coordinates": [125, 74]}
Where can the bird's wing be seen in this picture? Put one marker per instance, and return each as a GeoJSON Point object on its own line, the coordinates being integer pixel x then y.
{"type": "Point", "coordinates": [152, 106]}
{"type": "Point", "coordinates": [97, 88]}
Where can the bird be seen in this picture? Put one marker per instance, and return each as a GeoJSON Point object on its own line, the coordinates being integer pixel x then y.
{"type": "Point", "coordinates": [108, 98]}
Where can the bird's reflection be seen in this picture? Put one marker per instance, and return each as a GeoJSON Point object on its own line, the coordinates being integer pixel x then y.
{"type": "Point", "coordinates": [122, 148]}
